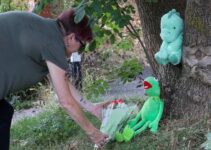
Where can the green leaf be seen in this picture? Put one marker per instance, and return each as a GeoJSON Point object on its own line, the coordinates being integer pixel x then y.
{"type": "Point", "coordinates": [107, 20]}
{"type": "Point", "coordinates": [125, 45]}
{"type": "Point", "coordinates": [98, 87]}
{"type": "Point", "coordinates": [112, 39]}
{"type": "Point", "coordinates": [83, 2]}
{"type": "Point", "coordinates": [129, 70]}
{"type": "Point", "coordinates": [107, 32]}
{"type": "Point", "coordinates": [91, 22]}
{"type": "Point", "coordinates": [80, 13]}
{"type": "Point", "coordinates": [104, 19]}
{"type": "Point", "coordinates": [97, 7]}
{"type": "Point", "coordinates": [92, 46]}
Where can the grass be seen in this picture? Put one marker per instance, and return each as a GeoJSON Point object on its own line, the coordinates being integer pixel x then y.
{"type": "Point", "coordinates": [54, 130]}
{"type": "Point", "coordinates": [18, 105]}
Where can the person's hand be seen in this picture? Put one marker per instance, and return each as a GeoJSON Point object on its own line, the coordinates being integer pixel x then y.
{"type": "Point", "coordinates": [98, 137]}
{"type": "Point", "coordinates": [97, 109]}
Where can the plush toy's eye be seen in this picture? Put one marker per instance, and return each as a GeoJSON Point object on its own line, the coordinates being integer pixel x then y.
{"type": "Point", "coordinates": [174, 28]}
{"type": "Point", "coordinates": [156, 78]}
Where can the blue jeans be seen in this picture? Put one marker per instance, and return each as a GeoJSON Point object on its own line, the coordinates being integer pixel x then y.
{"type": "Point", "coordinates": [6, 113]}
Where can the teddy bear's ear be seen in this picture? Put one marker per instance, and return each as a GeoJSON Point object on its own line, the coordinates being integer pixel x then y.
{"type": "Point", "coordinates": [173, 12]}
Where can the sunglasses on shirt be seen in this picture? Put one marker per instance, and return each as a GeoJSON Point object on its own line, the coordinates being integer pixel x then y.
{"type": "Point", "coordinates": [83, 45]}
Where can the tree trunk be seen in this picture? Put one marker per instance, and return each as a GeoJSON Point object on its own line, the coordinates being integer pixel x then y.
{"type": "Point", "coordinates": [186, 88]}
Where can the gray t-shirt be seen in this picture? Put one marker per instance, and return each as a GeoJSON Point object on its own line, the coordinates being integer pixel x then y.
{"type": "Point", "coordinates": [26, 41]}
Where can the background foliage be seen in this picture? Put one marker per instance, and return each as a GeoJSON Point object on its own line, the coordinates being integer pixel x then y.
{"type": "Point", "coordinates": [111, 23]}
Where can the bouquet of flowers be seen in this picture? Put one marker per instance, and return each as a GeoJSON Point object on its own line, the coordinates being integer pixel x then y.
{"type": "Point", "coordinates": [115, 117]}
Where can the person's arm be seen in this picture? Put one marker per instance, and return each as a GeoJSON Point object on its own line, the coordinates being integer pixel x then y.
{"type": "Point", "coordinates": [60, 82]}
{"type": "Point", "coordinates": [95, 109]}
{"type": "Point", "coordinates": [85, 104]}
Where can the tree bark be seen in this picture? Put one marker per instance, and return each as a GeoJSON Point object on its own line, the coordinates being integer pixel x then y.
{"type": "Point", "coordinates": [186, 88]}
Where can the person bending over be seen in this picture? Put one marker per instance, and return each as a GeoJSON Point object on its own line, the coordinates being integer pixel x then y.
{"type": "Point", "coordinates": [32, 47]}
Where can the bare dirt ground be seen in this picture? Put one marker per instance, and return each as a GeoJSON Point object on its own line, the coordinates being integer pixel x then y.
{"type": "Point", "coordinates": [18, 115]}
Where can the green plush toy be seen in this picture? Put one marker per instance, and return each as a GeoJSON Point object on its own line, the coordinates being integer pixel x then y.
{"type": "Point", "coordinates": [150, 114]}
{"type": "Point", "coordinates": [172, 36]}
